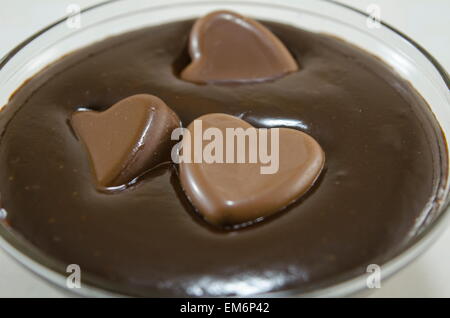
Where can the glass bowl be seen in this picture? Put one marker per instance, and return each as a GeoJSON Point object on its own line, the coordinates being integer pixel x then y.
{"type": "Point", "coordinates": [406, 57]}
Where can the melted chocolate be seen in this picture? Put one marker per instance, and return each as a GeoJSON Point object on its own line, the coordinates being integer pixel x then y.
{"type": "Point", "coordinates": [383, 167]}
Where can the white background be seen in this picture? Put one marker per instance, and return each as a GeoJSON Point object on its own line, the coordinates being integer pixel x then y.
{"type": "Point", "coordinates": [426, 21]}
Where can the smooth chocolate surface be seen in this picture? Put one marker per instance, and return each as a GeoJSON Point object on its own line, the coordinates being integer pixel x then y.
{"type": "Point", "coordinates": [228, 47]}
{"type": "Point", "coordinates": [384, 165]}
{"type": "Point", "coordinates": [128, 139]}
{"type": "Point", "coordinates": [269, 186]}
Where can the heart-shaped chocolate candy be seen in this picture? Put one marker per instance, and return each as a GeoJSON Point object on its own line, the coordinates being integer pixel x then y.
{"type": "Point", "coordinates": [227, 47]}
{"type": "Point", "coordinates": [235, 193]}
{"type": "Point", "coordinates": [127, 139]}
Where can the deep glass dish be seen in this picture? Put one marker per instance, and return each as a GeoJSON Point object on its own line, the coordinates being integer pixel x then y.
{"type": "Point", "coordinates": [405, 56]}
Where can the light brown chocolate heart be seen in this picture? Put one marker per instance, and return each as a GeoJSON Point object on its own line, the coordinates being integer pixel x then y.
{"type": "Point", "coordinates": [227, 47]}
{"type": "Point", "coordinates": [127, 139]}
{"type": "Point", "coordinates": [235, 193]}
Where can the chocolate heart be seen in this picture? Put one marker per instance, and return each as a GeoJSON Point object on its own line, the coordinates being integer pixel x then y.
{"type": "Point", "coordinates": [227, 47]}
{"type": "Point", "coordinates": [235, 193]}
{"type": "Point", "coordinates": [129, 138]}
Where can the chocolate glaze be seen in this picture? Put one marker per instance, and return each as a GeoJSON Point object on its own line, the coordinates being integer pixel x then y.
{"type": "Point", "coordinates": [383, 166]}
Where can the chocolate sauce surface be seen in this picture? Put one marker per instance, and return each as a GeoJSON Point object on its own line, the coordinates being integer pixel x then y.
{"type": "Point", "coordinates": [383, 167]}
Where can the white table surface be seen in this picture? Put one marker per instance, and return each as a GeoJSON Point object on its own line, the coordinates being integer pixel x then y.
{"type": "Point", "coordinates": [426, 21]}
